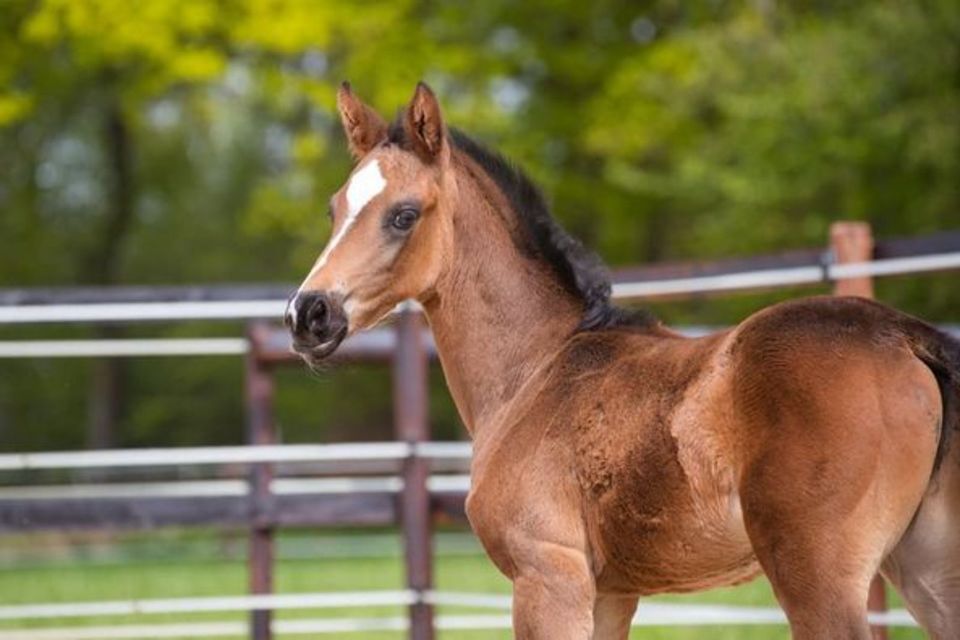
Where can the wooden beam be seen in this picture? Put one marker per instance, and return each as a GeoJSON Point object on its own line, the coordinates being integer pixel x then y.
{"type": "Point", "coordinates": [260, 431]}
{"type": "Point", "coordinates": [410, 402]}
{"type": "Point", "coordinates": [113, 514]}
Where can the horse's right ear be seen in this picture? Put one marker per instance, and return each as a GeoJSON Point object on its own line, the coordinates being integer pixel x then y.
{"type": "Point", "coordinates": [364, 127]}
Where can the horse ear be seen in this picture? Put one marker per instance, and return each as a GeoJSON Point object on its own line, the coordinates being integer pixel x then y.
{"type": "Point", "coordinates": [424, 123]}
{"type": "Point", "coordinates": [364, 127]}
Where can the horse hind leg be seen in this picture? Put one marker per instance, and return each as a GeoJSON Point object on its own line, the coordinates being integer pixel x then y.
{"type": "Point", "coordinates": [821, 525]}
{"type": "Point", "coordinates": [815, 547]}
{"type": "Point", "coordinates": [822, 591]}
{"type": "Point", "coordinates": [925, 565]}
{"type": "Point", "coordinates": [840, 463]}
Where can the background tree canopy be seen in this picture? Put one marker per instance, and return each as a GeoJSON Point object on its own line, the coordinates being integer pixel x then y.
{"type": "Point", "coordinates": [164, 142]}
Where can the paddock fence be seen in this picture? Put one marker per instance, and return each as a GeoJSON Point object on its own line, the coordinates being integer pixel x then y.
{"type": "Point", "coordinates": [412, 482]}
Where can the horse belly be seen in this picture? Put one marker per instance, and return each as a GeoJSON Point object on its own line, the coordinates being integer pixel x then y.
{"type": "Point", "coordinates": [689, 546]}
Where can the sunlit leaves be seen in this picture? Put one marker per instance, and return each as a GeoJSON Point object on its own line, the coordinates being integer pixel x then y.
{"type": "Point", "coordinates": [14, 106]}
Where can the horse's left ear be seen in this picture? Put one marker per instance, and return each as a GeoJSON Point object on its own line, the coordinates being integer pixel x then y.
{"type": "Point", "coordinates": [424, 124]}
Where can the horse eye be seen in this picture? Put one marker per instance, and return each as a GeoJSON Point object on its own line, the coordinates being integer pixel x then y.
{"type": "Point", "coordinates": [403, 219]}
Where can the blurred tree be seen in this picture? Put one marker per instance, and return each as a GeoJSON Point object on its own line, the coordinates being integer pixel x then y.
{"type": "Point", "coordinates": [761, 129]}
{"type": "Point", "coordinates": [96, 64]}
{"type": "Point", "coordinates": [163, 142]}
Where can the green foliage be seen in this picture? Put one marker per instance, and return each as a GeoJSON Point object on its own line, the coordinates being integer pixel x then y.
{"type": "Point", "coordinates": [765, 130]}
{"type": "Point", "coordinates": [668, 130]}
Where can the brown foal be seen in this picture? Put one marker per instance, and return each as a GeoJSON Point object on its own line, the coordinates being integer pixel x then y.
{"type": "Point", "coordinates": [614, 458]}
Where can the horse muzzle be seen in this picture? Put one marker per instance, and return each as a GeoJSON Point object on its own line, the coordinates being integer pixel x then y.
{"type": "Point", "coordinates": [317, 323]}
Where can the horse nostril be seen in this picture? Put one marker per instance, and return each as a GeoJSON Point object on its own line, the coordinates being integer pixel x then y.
{"type": "Point", "coordinates": [319, 320]}
{"type": "Point", "coordinates": [318, 316]}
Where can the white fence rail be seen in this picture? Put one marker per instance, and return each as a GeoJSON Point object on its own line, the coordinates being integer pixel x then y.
{"type": "Point", "coordinates": [246, 454]}
{"type": "Point", "coordinates": [648, 614]}
{"type": "Point", "coordinates": [123, 348]}
{"type": "Point", "coordinates": [142, 311]}
{"type": "Point", "coordinates": [261, 309]}
{"type": "Point", "coordinates": [786, 277]}
{"type": "Point", "coordinates": [440, 483]}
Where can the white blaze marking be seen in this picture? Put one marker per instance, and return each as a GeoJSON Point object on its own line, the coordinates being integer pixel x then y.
{"type": "Point", "coordinates": [365, 185]}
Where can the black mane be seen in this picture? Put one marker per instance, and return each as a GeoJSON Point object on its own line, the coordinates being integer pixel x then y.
{"type": "Point", "coordinates": [578, 269]}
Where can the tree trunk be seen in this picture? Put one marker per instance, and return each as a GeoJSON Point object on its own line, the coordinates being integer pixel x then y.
{"type": "Point", "coordinates": [106, 397]}
{"type": "Point", "coordinates": [102, 267]}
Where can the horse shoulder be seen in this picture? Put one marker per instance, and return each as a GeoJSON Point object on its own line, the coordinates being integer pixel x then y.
{"type": "Point", "coordinates": [614, 433]}
{"type": "Point", "coordinates": [656, 459]}
{"type": "Point", "coordinates": [521, 481]}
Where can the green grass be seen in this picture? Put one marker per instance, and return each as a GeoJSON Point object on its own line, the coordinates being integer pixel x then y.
{"type": "Point", "coordinates": [80, 580]}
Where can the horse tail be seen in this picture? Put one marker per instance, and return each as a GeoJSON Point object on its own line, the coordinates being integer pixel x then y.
{"type": "Point", "coordinates": [941, 353]}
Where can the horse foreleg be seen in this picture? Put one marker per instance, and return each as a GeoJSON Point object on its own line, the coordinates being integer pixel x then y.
{"type": "Point", "coordinates": [553, 594]}
{"type": "Point", "coordinates": [612, 615]}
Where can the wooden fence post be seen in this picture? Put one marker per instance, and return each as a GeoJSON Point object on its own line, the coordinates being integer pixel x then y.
{"type": "Point", "coordinates": [853, 242]}
{"type": "Point", "coordinates": [260, 431]}
{"type": "Point", "coordinates": [410, 404]}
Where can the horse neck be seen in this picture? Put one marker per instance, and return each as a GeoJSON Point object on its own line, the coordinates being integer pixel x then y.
{"type": "Point", "coordinates": [497, 316]}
